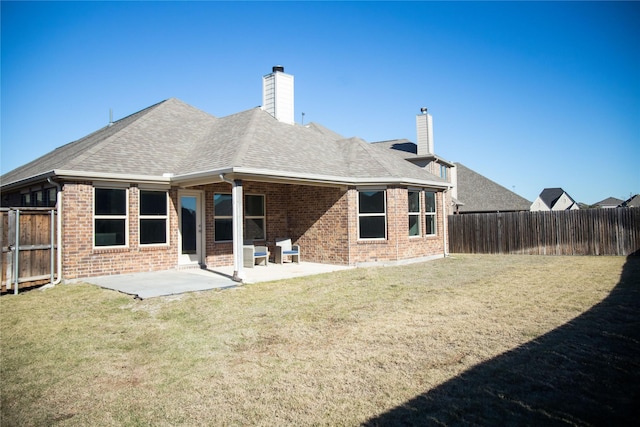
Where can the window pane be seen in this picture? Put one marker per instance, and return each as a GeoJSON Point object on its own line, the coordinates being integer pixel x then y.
{"type": "Point", "coordinates": [110, 202]}
{"type": "Point", "coordinates": [414, 201]}
{"type": "Point", "coordinates": [254, 229]}
{"type": "Point", "coordinates": [254, 205]}
{"type": "Point", "coordinates": [430, 201]}
{"type": "Point", "coordinates": [110, 232]}
{"type": "Point", "coordinates": [431, 224]}
{"type": "Point", "coordinates": [372, 227]}
{"type": "Point", "coordinates": [223, 230]}
{"type": "Point", "coordinates": [153, 203]}
{"type": "Point", "coordinates": [414, 225]}
{"type": "Point", "coordinates": [153, 231]}
{"type": "Point", "coordinates": [222, 205]}
{"type": "Point", "coordinates": [188, 224]}
{"type": "Point", "coordinates": [371, 201]}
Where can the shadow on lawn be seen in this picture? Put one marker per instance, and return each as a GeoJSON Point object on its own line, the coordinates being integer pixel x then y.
{"type": "Point", "coordinates": [586, 372]}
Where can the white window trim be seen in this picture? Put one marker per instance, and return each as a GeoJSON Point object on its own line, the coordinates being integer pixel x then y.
{"type": "Point", "coordinates": [433, 214]}
{"type": "Point", "coordinates": [263, 217]}
{"type": "Point", "coordinates": [216, 216]}
{"type": "Point", "coordinates": [375, 214]}
{"type": "Point", "coordinates": [125, 217]}
{"type": "Point", "coordinates": [141, 217]}
{"type": "Point", "coordinates": [418, 213]}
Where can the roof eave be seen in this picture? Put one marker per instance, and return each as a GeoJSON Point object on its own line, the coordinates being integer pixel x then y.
{"type": "Point", "coordinates": [285, 177]}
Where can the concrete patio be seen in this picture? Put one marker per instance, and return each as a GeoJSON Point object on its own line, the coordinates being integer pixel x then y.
{"type": "Point", "coordinates": [173, 282]}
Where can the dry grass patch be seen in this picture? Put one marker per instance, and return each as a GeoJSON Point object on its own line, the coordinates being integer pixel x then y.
{"type": "Point", "coordinates": [334, 349]}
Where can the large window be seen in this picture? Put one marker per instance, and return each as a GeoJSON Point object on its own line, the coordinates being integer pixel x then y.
{"type": "Point", "coordinates": [414, 213]}
{"type": "Point", "coordinates": [430, 212]}
{"type": "Point", "coordinates": [153, 217]}
{"type": "Point", "coordinates": [372, 215]}
{"type": "Point", "coordinates": [223, 222]}
{"type": "Point", "coordinates": [254, 217]}
{"type": "Point", "coordinates": [110, 217]}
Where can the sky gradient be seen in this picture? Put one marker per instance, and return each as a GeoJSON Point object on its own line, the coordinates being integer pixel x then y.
{"type": "Point", "coordinates": [531, 95]}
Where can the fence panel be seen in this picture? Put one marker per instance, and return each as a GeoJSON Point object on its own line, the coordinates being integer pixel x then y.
{"type": "Point", "coordinates": [27, 239]}
{"type": "Point", "coordinates": [579, 232]}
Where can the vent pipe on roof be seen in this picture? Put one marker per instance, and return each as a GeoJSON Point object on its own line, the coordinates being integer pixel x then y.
{"type": "Point", "coordinates": [277, 95]}
{"type": "Point", "coordinates": [424, 130]}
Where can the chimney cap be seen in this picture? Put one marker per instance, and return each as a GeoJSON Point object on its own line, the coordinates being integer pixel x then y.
{"type": "Point", "coordinates": [278, 68]}
{"type": "Point", "coordinates": [423, 110]}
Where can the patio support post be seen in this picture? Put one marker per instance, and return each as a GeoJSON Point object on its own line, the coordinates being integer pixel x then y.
{"type": "Point", "coordinates": [238, 242]}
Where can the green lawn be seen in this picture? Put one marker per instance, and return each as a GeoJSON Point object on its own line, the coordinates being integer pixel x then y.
{"type": "Point", "coordinates": [469, 339]}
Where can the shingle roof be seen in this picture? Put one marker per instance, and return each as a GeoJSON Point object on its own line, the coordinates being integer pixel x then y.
{"type": "Point", "coordinates": [480, 194]}
{"type": "Point", "coordinates": [632, 202]}
{"type": "Point", "coordinates": [176, 138]}
{"type": "Point", "coordinates": [551, 195]}
{"type": "Point", "coordinates": [609, 201]}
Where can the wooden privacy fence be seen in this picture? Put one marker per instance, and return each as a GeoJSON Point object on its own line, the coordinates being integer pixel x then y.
{"type": "Point", "coordinates": [27, 239]}
{"type": "Point", "coordinates": [578, 232]}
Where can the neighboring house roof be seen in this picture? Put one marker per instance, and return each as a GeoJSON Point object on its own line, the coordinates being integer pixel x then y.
{"type": "Point", "coordinates": [608, 202]}
{"type": "Point", "coordinates": [480, 194]}
{"type": "Point", "coordinates": [632, 202]}
{"type": "Point", "coordinates": [550, 196]}
{"type": "Point", "coordinates": [173, 141]}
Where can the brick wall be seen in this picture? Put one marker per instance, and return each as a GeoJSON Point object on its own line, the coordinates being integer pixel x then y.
{"type": "Point", "coordinates": [322, 220]}
{"type": "Point", "coordinates": [81, 259]}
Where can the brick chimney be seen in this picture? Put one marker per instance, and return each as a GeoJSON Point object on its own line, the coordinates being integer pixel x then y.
{"type": "Point", "coordinates": [424, 129]}
{"type": "Point", "coordinates": [277, 94]}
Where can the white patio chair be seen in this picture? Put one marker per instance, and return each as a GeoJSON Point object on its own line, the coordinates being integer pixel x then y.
{"type": "Point", "coordinates": [285, 248]}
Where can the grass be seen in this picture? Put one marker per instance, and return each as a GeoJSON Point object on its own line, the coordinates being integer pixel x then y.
{"type": "Point", "coordinates": [462, 340]}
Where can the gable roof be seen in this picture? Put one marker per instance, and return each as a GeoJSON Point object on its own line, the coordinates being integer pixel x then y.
{"type": "Point", "coordinates": [480, 194]}
{"type": "Point", "coordinates": [609, 201]}
{"type": "Point", "coordinates": [173, 141]}
{"type": "Point", "coordinates": [632, 202]}
{"type": "Point", "coordinates": [550, 196]}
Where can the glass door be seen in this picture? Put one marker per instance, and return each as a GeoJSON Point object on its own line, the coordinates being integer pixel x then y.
{"type": "Point", "coordinates": [190, 229]}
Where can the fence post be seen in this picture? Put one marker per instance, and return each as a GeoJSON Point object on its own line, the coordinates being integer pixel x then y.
{"type": "Point", "coordinates": [16, 264]}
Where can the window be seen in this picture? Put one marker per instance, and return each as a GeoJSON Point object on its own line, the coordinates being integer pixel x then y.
{"type": "Point", "coordinates": [26, 199]}
{"type": "Point", "coordinates": [414, 213]}
{"type": "Point", "coordinates": [223, 221]}
{"type": "Point", "coordinates": [153, 217]}
{"type": "Point", "coordinates": [254, 218]}
{"type": "Point", "coordinates": [443, 171]}
{"type": "Point", "coordinates": [52, 195]}
{"type": "Point", "coordinates": [110, 217]}
{"type": "Point", "coordinates": [430, 212]}
{"type": "Point", "coordinates": [372, 216]}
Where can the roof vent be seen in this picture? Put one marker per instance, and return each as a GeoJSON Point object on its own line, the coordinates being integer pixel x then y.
{"type": "Point", "coordinates": [278, 68]}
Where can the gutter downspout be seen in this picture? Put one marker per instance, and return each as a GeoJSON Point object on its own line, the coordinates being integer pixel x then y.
{"type": "Point", "coordinates": [58, 232]}
{"type": "Point", "coordinates": [238, 254]}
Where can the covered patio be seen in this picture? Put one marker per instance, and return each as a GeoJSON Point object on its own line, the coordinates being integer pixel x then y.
{"type": "Point", "coordinates": [179, 281]}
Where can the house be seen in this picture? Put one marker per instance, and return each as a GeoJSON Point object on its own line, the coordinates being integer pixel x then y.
{"type": "Point", "coordinates": [172, 186]}
{"type": "Point", "coordinates": [631, 202]}
{"type": "Point", "coordinates": [471, 192]}
{"type": "Point", "coordinates": [554, 199]}
{"type": "Point", "coordinates": [608, 203]}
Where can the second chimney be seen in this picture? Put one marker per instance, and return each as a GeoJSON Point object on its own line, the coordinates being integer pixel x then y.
{"type": "Point", "coordinates": [277, 94]}
{"type": "Point", "coordinates": [424, 130]}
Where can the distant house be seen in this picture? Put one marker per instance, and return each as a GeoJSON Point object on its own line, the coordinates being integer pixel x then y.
{"type": "Point", "coordinates": [631, 202]}
{"type": "Point", "coordinates": [554, 199]}
{"type": "Point", "coordinates": [608, 203]}
{"type": "Point", "coordinates": [172, 186]}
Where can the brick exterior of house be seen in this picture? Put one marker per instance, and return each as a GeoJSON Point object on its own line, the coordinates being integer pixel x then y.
{"type": "Point", "coordinates": [322, 220]}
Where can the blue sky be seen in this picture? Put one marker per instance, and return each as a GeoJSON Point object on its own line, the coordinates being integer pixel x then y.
{"type": "Point", "coordinates": [531, 95]}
